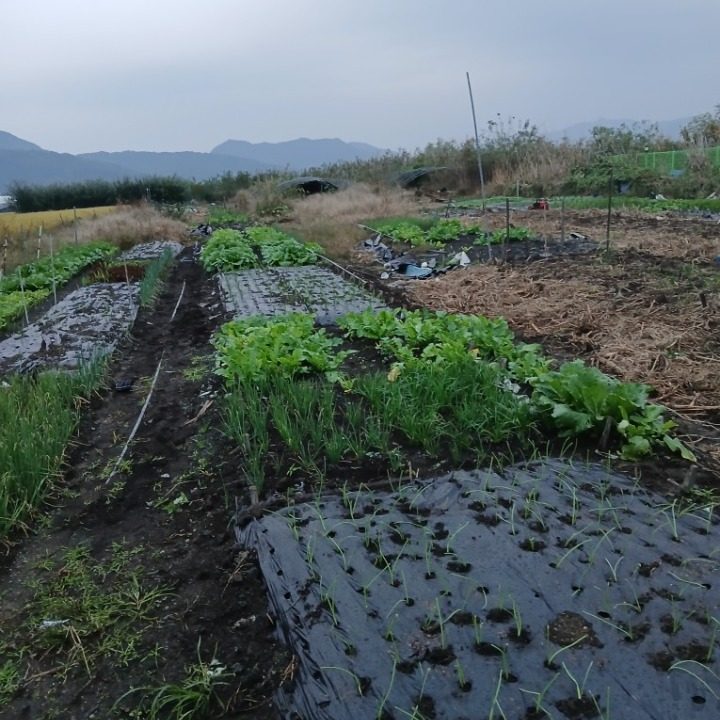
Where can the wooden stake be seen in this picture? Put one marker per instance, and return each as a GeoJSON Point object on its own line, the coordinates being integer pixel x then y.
{"type": "Point", "coordinates": [39, 241]}
{"type": "Point", "coordinates": [3, 269]}
{"type": "Point", "coordinates": [562, 219]}
{"type": "Point", "coordinates": [75, 221]}
{"type": "Point", "coordinates": [22, 295]}
{"type": "Point", "coordinates": [52, 269]}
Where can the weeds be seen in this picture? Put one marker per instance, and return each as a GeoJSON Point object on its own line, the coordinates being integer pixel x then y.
{"type": "Point", "coordinates": [192, 697]}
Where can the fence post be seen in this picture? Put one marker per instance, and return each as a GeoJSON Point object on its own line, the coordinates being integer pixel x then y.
{"type": "Point", "coordinates": [75, 224]}
{"type": "Point", "coordinates": [39, 241]}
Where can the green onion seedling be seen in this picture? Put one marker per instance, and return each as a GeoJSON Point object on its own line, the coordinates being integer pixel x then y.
{"type": "Point", "coordinates": [689, 666]}
{"type": "Point", "coordinates": [540, 696]}
{"type": "Point", "coordinates": [579, 687]}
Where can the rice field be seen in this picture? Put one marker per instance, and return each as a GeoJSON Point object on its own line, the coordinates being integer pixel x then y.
{"type": "Point", "coordinates": [14, 224]}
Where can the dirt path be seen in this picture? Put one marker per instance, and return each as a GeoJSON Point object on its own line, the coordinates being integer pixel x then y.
{"type": "Point", "coordinates": [135, 580]}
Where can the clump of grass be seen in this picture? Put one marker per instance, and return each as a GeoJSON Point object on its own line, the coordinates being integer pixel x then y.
{"type": "Point", "coordinates": [87, 610]}
{"type": "Point", "coordinates": [460, 408]}
{"type": "Point", "coordinates": [194, 696]}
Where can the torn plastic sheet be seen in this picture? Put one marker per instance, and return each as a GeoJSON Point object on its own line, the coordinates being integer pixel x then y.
{"type": "Point", "coordinates": [459, 595]}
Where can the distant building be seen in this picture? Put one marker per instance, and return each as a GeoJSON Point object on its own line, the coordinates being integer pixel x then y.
{"type": "Point", "coordinates": [5, 202]}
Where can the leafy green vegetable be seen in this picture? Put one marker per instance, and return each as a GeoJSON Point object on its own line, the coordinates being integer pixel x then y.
{"type": "Point", "coordinates": [222, 218]}
{"type": "Point", "coordinates": [516, 233]}
{"type": "Point", "coordinates": [59, 268]}
{"type": "Point", "coordinates": [577, 400]}
{"type": "Point", "coordinates": [228, 250]}
{"type": "Point", "coordinates": [439, 233]}
{"type": "Point", "coordinates": [12, 305]}
{"type": "Point", "coordinates": [290, 345]}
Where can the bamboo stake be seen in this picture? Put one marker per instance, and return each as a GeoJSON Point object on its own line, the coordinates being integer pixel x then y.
{"type": "Point", "coordinates": [477, 143]}
{"type": "Point", "coordinates": [22, 295]}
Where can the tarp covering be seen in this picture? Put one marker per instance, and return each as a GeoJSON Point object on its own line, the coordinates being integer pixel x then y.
{"type": "Point", "coordinates": [547, 586]}
{"type": "Point", "coordinates": [410, 178]}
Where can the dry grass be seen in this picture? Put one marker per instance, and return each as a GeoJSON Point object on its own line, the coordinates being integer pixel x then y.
{"type": "Point", "coordinates": [331, 219]}
{"type": "Point", "coordinates": [124, 227]}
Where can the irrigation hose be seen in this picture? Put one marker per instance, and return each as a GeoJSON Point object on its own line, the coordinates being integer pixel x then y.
{"type": "Point", "coordinates": [138, 421]}
{"type": "Point", "coordinates": [147, 399]}
{"type": "Point", "coordinates": [179, 300]}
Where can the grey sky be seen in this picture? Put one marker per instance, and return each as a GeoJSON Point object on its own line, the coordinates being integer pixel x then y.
{"type": "Point", "coordinates": [86, 75]}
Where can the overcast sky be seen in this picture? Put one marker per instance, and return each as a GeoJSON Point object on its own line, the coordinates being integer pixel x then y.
{"type": "Point", "coordinates": [86, 75]}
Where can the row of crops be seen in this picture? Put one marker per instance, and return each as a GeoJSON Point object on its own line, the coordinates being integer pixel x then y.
{"type": "Point", "coordinates": [253, 247]}
{"type": "Point", "coordinates": [304, 401]}
{"type": "Point", "coordinates": [434, 232]}
{"type": "Point", "coordinates": [39, 411]}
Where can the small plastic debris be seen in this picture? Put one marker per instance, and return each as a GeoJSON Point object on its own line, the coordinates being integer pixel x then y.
{"type": "Point", "coordinates": [460, 259]}
{"type": "Point", "coordinates": [415, 271]}
{"type": "Point", "coordinates": [384, 275]}
{"type": "Point", "coordinates": [49, 624]}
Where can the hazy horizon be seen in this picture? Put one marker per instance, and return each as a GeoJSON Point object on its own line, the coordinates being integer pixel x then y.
{"type": "Point", "coordinates": [88, 76]}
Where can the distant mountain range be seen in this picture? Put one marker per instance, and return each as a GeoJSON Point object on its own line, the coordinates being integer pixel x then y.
{"type": "Point", "coordinates": [26, 162]}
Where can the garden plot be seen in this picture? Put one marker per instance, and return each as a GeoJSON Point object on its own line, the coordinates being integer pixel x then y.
{"type": "Point", "coordinates": [150, 251]}
{"type": "Point", "coordinates": [546, 590]}
{"type": "Point", "coordinates": [278, 291]}
{"type": "Point", "coordinates": [87, 323]}
{"type": "Point", "coordinates": [409, 247]}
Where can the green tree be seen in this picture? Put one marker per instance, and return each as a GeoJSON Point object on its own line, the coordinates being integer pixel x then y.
{"type": "Point", "coordinates": [703, 130]}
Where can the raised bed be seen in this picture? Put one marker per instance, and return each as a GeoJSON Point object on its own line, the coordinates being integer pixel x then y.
{"type": "Point", "coordinates": [278, 291]}
{"type": "Point", "coordinates": [88, 322]}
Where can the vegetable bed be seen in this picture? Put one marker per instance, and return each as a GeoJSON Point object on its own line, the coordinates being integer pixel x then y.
{"type": "Point", "coordinates": [417, 387]}
{"type": "Point", "coordinates": [33, 282]}
{"type": "Point", "coordinates": [547, 590]}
